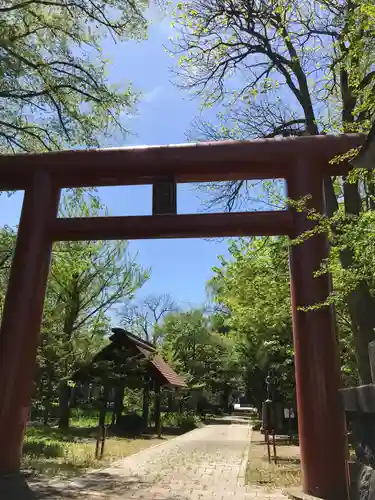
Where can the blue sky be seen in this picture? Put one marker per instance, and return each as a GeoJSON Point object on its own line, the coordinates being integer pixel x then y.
{"type": "Point", "coordinates": [179, 267]}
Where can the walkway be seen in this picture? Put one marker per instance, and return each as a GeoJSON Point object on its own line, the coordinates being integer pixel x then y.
{"type": "Point", "coordinates": [206, 464]}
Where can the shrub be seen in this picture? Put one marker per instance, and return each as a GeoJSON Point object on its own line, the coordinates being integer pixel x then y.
{"type": "Point", "coordinates": [184, 421]}
{"type": "Point", "coordinates": [48, 448]}
{"type": "Point", "coordinates": [256, 424]}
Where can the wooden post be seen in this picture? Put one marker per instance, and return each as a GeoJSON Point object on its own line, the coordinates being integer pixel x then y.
{"type": "Point", "coordinates": [103, 406]}
{"type": "Point", "coordinates": [100, 442]}
{"type": "Point", "coordinates": [267, 440]}
{"type": "Point", "coordinates": [274, 447]}
{"type": "Point", "coordinates": [170, 401]}
{"type": "Point", "coordinates": [320, 412]}
{"type": "Point", "coordinates": [22, 314]}
{"type": "Point", "coordinates": [119, 401]}
{"type": "Point", "coordinates": [157, 410]}
{"type": "Point", "coordinates": [102, 431]}
{"type": "Point", "coordinates": [146, 404]}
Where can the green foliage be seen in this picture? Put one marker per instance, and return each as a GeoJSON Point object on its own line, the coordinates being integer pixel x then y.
{"type": "Point", "coordinates": [185, 421]}
{"type": "Point", "coordinates": [133, 401]}
{"type": "Point", "coordinates": [291, 68]}
{"type": "Point", "coordinates": [7, 241]}
{"type": "Point", "coordinates": [82, 418]}
{"type": "Point", "coordinates": [354, 234]}
{"type": "Point", "coordinates": [54, 86]}
{"type": "Point", "coordinates": [272, 48]}
{"type": "Point", "coordinates": [36, 446]}
{"type": "Point", "coordinates": [253, 285]}
{"type": "Point", "coordinates": [86, 280]}
{"type": "Point", "coordinates": [194, 349]}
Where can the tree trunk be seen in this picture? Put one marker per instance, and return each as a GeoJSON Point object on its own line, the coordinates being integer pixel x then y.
{"type": "Point", "coordinates": [225, 399]}
{"type": "Point", "coordinates": [64, 409]}
{"type": "Point", "coordinates": [361, 307]}
{"type": "Point", "coordinates": [47, 398]}
{"type": "Point", "coordinates": [361, 304]}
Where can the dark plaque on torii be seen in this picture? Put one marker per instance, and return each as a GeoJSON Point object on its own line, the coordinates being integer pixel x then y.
{"type": "Point", "coordinates": [164, 197]}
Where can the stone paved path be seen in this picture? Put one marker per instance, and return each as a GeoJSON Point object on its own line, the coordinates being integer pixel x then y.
{"type": "Point", "coordinates": [206, 464]}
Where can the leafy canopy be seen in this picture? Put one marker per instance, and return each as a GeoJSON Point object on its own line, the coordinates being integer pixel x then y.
{"type": "Point", "coordinates": [54, 90]}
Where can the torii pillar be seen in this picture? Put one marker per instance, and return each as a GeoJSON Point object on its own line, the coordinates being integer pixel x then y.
{"type": "Point", "coordinates": [322, 431]}
{"type": "Point", "coordinates": [22, 313]}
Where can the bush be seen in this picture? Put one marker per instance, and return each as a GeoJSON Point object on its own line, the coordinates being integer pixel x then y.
{"type": "Point", "coordinates": [256, 424]}
{"type": "Point", "coordinates": [38, 447]}
{"type": "Point", "coordinates": [80, 417]}
{"type": "Point", "coordinates": [185, 421]}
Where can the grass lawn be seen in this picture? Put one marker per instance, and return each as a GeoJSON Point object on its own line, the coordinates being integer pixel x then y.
{"type": "Point", "coordinates": [51, 452]}
{"type": "Point", "coordinates": [284, 474]}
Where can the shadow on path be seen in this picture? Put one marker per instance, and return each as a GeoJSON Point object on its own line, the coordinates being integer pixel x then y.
{"type": "Point", "coordinates": [91, 486]}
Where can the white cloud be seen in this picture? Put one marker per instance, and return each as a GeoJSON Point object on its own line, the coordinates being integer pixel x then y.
{"type": "Point", "coordinates": [152, 94]}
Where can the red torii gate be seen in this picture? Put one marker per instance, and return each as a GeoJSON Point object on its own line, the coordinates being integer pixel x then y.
{"type": "Point", "coordinates": [303, 162]}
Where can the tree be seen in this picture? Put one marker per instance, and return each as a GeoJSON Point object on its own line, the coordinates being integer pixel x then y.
{"type": "Point", "coordinates": [54, 89]}
{"type": "Point", "coordinates": [287, 68]}
{"type": "Point", "coordinates": [7, 241]}
{"type": "Point", "coordinates": [279, 46]}
{"type": "Point", "coordinates": [144, 317]}
{"type": "Point", "coordinates": [254, 286]}
{"type": "Point", "coordinates": [87, 279]}
{"type": "Point", "coordinates": [203, 355]}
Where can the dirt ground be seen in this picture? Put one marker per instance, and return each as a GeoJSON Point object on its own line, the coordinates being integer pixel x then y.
{"type": "Point", "coordinates": [286, 472]}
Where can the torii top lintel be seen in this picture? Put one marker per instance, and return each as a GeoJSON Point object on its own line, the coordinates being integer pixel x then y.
{"type": "Point", "coordinates": [201, 162]}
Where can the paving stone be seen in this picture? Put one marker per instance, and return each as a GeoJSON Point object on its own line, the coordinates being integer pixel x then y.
{"type": "Point", "coordinates": [205, 464]}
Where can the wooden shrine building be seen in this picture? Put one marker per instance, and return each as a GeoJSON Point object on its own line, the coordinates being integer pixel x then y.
{"type": "Point", "coordinates": [129, 361]}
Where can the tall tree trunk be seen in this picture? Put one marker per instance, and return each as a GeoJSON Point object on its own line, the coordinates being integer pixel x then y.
{"type": "Point", "coordinates": [47, 397]}
{"type": "Point", "coordinates": [70, 316]}
{"type": "Point", "coordinates": [64, 409]}
{"type": "Point", "coordinates": [225, 399]}
{"type": "Point", "coordinates": [361, 304]}
{"type": "Point", "coordinates": [361, 307]}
